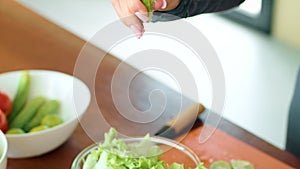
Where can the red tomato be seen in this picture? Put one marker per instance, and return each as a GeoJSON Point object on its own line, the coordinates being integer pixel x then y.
{"type": "Point", "coordinates": [3, 122]}
{"type": "Point", "coordinates": [5, 103]}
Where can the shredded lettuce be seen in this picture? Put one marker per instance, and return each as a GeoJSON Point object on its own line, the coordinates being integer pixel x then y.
{"type": "Point", "coordinates": [114, 153]}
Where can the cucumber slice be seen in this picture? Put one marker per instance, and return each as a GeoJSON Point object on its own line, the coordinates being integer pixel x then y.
{"type": "Point", "coordinates": [38, 128]}
{"type": "Point", "coordinates": [220, 164]}
{"type": "Point", "coordinates": [15, 131]}
{"type": "Point", "coordinates": [51, 120]}
{"type": "Point", "coordinates": [241, 164]}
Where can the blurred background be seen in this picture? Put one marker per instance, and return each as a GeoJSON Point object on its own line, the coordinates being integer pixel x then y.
{"type": "Point", "coordinates": [258, 45]}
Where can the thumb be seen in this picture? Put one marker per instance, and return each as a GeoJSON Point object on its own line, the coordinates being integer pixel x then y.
{"type": "Point", "coordinates": [160, 5]}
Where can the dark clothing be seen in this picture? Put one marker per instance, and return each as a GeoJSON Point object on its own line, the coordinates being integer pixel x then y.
{"type": "Point", "coordinates": [188, 8]}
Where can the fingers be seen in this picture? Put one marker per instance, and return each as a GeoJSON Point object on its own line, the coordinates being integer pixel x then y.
{"type": "Point", "coordinates": [142, 17]}
{"type": "Point", "coordinates": [165, 5]}
{"type": "Point", "coordinates": [135, 25]}
{"type": "Point", "coordinates": [132, 13]}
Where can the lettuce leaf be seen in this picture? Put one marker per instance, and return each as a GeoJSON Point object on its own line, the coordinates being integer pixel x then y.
{"type": "Point", "coordinates": [149, 5]}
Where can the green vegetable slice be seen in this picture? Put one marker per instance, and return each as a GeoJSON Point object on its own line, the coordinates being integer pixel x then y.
{"type": "Point", "coordinates": [51, 120]}
{"type": "Point", "coordinates": [220, 164]}
{"type": "Point", "coordinates": [27, 112]}
{"type": "Point", "coordinates": [149, 5]}
{"type": "Point", "coordinates": [21, 96]}
{"type": "Point", "coordinates": [50, 107]}
{"type": "Point", "coordinates": [241, 164]}
{"type": "Point", "coordinates": [38, 128]}
{"type": "Point", "coordinates": [15, 131]}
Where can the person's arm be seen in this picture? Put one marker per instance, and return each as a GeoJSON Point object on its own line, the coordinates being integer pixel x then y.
{"type": "Point", "coordinates": [133, 12]}
{"type": "Point", "coordinates": [188, 8]}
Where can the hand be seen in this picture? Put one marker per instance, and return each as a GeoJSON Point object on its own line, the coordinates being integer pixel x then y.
{"type": "Point", "coordinates": [133, 12]}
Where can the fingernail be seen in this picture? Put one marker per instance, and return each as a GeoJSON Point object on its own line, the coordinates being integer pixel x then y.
{"type": "Point", "coordinates": [142, 17]}
{"type": "Point", "coordinates": [164, 5]}
{"type": "Point", "coordinates": [141, 34]}
{"type": "Point", "coordinates": [137, 32]}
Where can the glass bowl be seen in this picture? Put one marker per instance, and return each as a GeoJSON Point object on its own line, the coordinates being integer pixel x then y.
{"type": "Point", "coordinates": [173, 152]}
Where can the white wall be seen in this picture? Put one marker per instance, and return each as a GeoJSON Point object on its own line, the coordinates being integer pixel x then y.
{"type": "Point", "coordinates": [286, 21]}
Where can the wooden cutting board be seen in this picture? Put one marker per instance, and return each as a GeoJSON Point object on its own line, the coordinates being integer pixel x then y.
{"type": "Point", "coordinates": [221, 146]}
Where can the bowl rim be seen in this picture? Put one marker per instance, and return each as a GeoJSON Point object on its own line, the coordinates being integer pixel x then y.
{"type": "Point", "coordinates": [157, 139]}
{"type": "Point", "coordinates": [67, 122]}
{"type": "Point", "coordinates": [3, 152]}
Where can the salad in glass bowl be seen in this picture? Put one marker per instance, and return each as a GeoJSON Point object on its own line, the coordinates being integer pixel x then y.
{"type": "Point", "coordinates": [136, 153]}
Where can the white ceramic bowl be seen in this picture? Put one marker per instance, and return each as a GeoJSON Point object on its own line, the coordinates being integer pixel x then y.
{"type": "Point", "coordinates": [3, 151]}
{"type": "Point", "coordinates": [74, 97]}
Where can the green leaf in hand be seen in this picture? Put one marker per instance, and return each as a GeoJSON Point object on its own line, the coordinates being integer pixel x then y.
{"type": "Point", "coordinates": [149, 5]}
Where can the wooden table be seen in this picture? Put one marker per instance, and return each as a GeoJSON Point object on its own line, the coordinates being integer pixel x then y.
{"type": "Point", "coordinates": [29, 41]}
